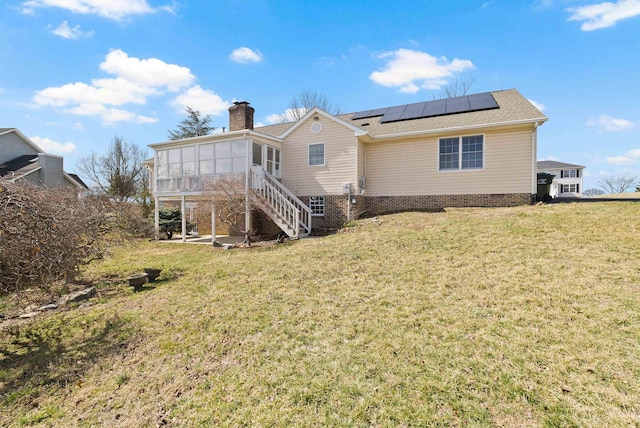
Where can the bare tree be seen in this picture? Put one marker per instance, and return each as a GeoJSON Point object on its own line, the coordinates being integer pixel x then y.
{"type": "Point", "coordinates": [305, 101]}
{"type": "Point", "coordinates": [194, 125]}
{"type": "Point", "coordinates": [119, 173]}
{"type": "Point", "coordinates": [228, 195]}
{"type": "Point", "coordinates": [459, 86]}
{"type": "Point", "coordinates": [618, 183]}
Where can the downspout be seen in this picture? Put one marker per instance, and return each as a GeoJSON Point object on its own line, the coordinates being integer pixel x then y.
{"type": "Point", "coordinates": [247, 201]}
{"type": "Point", "coordinates": [183, 208]}
{"type": "Point", "coordinates": [534, 161]}
{"type": "Point", "coordinates": [156, 217]}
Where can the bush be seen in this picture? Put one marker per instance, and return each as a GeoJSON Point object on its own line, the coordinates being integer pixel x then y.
{"type": "Point", "coordinates": [170, 221]}
{"type": "Point", "coordinates": [47, 233]}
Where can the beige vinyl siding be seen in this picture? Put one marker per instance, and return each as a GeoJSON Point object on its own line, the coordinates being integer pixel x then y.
{"type": "Point", "coordinates": [410, 167]}
{"type": "Point", "coordinates": [361, 164]}
{"type": "Point", "coordinates": [340, 162]}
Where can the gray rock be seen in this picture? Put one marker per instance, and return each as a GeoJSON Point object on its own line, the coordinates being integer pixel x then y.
{"type": "Point", "coordinates": [79, 296]}
{"type": "Point", "coordinates": [28, 315]}
{"type": "Point", "coordinates": [48, 307]}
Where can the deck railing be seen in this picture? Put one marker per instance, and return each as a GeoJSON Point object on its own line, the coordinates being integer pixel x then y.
{"type": "Point", "coordinates": [289, 209]}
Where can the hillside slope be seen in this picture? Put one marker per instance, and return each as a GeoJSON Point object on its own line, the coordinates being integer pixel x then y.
{"type": "Point", "coordinates": [526, 316]}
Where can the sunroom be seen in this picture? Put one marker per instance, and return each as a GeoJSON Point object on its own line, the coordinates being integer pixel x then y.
{"type": "Point", "coordinates": [183, 170]}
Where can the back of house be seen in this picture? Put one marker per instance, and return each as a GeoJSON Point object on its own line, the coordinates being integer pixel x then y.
{"type": "Point", "coordinates": [477, 150]}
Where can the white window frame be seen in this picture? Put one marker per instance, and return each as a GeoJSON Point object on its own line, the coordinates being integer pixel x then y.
{"type": "Point", "coordinates": [574, 186]}
{"type": "Point", "coordinates": [317, 206]}
{"type": "Point", "coordinates": [211, 161]}
{"type": "Point", "coordinates": [324, 154]}
{"type": "Point", "coordinates": [460, 153]}
{"type": "Point", "coordinates": [569, 173]}
{"type": "Point", "coordinates": [162, 164]}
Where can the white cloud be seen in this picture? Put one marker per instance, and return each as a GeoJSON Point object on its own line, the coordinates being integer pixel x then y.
{"type": "Point", "coordinates": [289, 115]}
{"type": "Point", "coordinates": [605, 14]}
{"type": "Point", "coordinates": [53, 147]}
{"type": "Point", "coordinates": [116, 10]}
{"type": "Point", "coordinates": [611, 124]}
{"type": "Point", "coordinates": [537, 105]}
{"type": "Point", "coordinates": [414, 70]}
{"type": "Point", "coordinates": [147, 72]}
{"type": "Point", "coordinates": [245, 55]}
{"type": "Point", "coordinates": [108, 115]}
{"type": "Point", "coordinates": [631, 157]}
{"type": "Point", "coordinates": [205, 101]}
{"type": "Point", "coordinates": [135, 80]}
{"type": "Point", "coordinates": [67, 32]}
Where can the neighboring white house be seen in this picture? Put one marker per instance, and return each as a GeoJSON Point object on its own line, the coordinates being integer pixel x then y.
{"type": "Point", "coordinates": [476, 150]}
{"type": "Point", "coordinates": [21, 159]}
{"type": "Point", "coordinates": [567, 182]}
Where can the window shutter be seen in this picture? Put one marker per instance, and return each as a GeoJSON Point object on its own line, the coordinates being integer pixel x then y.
{"type": "Point", "coordinates": [562, 173]}
{"type": "Point", "coordinates": [578, 173]}
{"type": "Point", "coordinates": [577, 188]}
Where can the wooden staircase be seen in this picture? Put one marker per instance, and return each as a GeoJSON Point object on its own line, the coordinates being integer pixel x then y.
{"type": "Point", "coordinates": [279, 203]}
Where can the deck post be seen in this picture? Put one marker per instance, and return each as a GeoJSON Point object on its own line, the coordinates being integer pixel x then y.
{"type": "Point", "coordinates": [247, 203]}
{"type": "Point", "coordinates": [156, 218]}
{"type": "Point", "coordinates": [213, 225]}
{"type": "Point", "coordinates": [183, 208]}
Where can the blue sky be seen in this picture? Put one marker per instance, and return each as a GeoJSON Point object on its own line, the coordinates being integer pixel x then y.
{"type": "Point", "coordinates": [76, 73]}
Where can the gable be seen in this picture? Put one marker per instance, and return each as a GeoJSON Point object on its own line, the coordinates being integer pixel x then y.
{"type": "Point", "coordinates": [314, 114]}
{"type": "Point", "coordinates": [14, 144]}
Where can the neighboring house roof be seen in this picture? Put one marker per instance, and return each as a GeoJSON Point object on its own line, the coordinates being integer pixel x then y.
{"type": "Point", "coordinates": [23, 137]}
{"type": "Point", "coordinates": [77, 180]}
{"type": "Point", "coordinates": [513, 109]}
{"type": "Point", "coordinates": [549, 164]}
{"type": "Point", "coordinates": [27, 164]}
{"type": "Point", "coordinates": [20, 165]}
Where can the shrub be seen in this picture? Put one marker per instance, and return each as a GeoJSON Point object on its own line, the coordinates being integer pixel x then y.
{"type": "Point", "coordinates": [46, 234]}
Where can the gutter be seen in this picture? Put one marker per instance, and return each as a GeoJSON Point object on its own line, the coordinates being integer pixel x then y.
{"type": "Point", "coordinates": [224, 135]}
{"type": "Point", "coordinates": [535, 121]}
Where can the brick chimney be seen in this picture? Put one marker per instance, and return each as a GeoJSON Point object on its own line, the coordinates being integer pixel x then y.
{"type": "Point", "coordinates": [240, 116]}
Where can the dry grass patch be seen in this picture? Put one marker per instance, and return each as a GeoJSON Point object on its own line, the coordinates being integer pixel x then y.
{"type": "Point", "coordinates": [524, 316]}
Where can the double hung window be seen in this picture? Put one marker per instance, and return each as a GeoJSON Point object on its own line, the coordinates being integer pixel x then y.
{"type": "Point", "coordinates": [316, 154]}
{"type": "Point", "coordinates": [459, 153]}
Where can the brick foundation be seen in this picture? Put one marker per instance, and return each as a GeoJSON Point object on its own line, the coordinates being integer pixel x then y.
{"type": "Point", "coordinates": [336, 205]}
{"type": "Point", "coordinates": [336, 210]}
{"type": "Point", "coordinates": [388, 204]}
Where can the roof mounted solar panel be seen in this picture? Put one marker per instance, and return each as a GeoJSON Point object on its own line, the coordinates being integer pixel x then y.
{"type": "Point", "coordinates": [369, 113]}
{"type": "Point", "coordinates": [483, 101]}
{"type": "Point", "coordinates": [455, 105]}
{"type": "Point", "coordinates": [411, 114]}
{"type": "Point", "coordinates": [433, 109]}
{"type": "Point", "coordinates": [391, 116]}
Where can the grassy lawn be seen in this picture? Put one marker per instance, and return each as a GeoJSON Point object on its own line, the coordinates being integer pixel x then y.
{"type": "Point", "coordinates": [526, 316]}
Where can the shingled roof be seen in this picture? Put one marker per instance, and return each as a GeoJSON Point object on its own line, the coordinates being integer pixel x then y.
{"type": "Point", "coordinates": [21, 163]}
{"type": "Point", "coordinates": [513, 109]}
{"type": "Point", "coordinates": [549, 164]}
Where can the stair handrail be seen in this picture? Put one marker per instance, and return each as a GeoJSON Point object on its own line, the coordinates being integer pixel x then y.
{"type": "Point", "coordinates": [301, 217]}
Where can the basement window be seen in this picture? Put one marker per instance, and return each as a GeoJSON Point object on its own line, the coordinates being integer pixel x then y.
{"type": "Point", "coordinates": [316, 204]}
